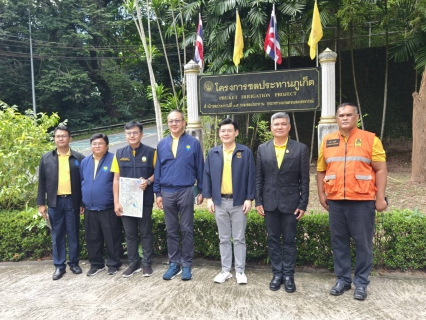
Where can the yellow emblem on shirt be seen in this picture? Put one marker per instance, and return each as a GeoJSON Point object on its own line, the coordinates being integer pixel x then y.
{"type": "Point", "coordinates": [358, 143]}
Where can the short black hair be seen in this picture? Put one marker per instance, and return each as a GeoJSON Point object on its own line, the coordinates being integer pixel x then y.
{"type": "Point", "coordinates": [99, 136]}
{"type": "Point", "coordinates": [346, 104]}
{"type": "Point", "coordinates": [63, 128]}
{"type": "Point", "coordinates": [228, 121]}
{"type": "Point", "coordinates": [133, 124]}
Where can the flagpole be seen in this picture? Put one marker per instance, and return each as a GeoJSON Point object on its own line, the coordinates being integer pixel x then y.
{"type": "Point", "coordinates": [317, 55]}
{"type": "Point", "coordinates": [275, 37]}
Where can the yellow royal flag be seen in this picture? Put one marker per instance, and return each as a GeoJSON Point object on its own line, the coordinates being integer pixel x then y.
{"type": "Point", "coordinates": [316, 32]}
{"type": "Point", "coordinates": [238, 43]}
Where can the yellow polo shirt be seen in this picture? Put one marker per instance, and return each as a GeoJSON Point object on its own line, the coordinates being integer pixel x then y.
{"type": "Point", "coordinates": [175, 144]}
{"type": "Point", "coordinates": [280, 152]}
{"type": "Point", "coordinates": [226, 187]}
{"type": "Point", "coordinates": [64, 178]}
{"type": "Point", "coordinates": [378, 153]}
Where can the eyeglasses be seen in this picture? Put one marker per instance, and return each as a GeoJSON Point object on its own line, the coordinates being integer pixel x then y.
{"type": "Point", "coordinates": [98, 144]}
{"type": "Point", "coordinates": [133, 133]}
{"type": "Point", "coordinates": [63, 136]}
{"type": "Point", "coordinates": [177, 121]}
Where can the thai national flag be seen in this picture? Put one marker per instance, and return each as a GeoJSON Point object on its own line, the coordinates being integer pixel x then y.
{"type": "Point", "coordinates": [199, 55]}
{"type": "Point", "coordinates": [272, 45]}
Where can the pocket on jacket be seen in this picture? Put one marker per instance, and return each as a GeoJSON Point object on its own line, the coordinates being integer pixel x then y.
{"type": "Point", "coordinates": [364, 184]}
{"type": "Point", "coordinates": [330, 184]}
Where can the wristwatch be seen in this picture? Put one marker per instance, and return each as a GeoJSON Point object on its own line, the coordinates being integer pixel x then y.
{"type": "Point", "coordinates": [149, 181]}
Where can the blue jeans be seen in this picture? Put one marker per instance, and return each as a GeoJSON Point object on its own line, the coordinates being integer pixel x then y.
{"type": "Point", "coordinates": [65, 221]}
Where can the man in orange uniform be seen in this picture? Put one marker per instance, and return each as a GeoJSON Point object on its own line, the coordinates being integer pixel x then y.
{"type": "Point", "coordinates": [351, 178]}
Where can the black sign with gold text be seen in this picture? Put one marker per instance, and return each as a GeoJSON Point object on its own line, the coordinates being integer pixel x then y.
{"type": "Point", "coordinates": [286, 90]}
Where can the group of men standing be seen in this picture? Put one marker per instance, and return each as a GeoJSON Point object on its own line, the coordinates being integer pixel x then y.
{"type": "Point", "coordinates": [351, 182]}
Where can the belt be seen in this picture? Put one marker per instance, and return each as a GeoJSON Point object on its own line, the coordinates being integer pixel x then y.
{"type": "Point", "coordinates": [226, 196]}
{"type": "Point", "coordinates": [64, 195]}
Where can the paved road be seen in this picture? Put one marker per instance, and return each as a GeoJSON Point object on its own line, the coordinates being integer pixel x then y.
{"type": "Point", "coordinates": [27, 291]}
{"type": "Point", "coordinates": [118, 140]}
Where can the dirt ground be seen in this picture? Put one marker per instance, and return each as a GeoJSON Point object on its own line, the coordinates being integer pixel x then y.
{"type": "Point", "coordinates": [402, 193]}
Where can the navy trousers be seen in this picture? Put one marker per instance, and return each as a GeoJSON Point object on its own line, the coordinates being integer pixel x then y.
{"type": "Point", "coordinates": [354, 219]}
{"type": "Point", "coordinates": [65, 221]}
{"type": "Point", "coordinates": [103, 225]}
{"type": "Point", "coordinates": [179, 214]}
{"type": "Point", "coordinates": [281, 228]}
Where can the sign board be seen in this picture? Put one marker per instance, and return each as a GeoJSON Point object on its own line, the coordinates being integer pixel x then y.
{"type": "Point", "coordinates": [272, 91]}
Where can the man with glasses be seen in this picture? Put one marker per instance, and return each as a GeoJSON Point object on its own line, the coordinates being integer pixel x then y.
{"type": "Point", "coordinates": [282, 193]}
{"type": "Point", "coordinates": [59, 180]}
{"type": "Point", "coordinates": [180, 165]}
{"type": "Point", "coordinates": [136, 161]}
{"type": "Point", "coordinates": [101, 222]}
{"type": "Point", "coordinates": [228, 186]}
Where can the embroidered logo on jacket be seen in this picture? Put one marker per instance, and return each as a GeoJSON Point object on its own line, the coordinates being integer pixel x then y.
{"type": "Point", "coordinates": [188, 147]}
{"type": "Point", "coordinates": [105, 168]}
{"type": "Point", "coordinates": [238, 154]}
{"type": "Point", "coordinates": [143, 159]}
{"type": "Point", "coordinates": [124, 159]}
{"type": "Point", "coordinates": [358, 143]}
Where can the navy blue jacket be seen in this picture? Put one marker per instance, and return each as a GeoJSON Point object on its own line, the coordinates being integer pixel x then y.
{"type": "Point", "coordinates": [97, 192]}
{"type": "Point", "coordinates": [243, 174]}
{"type": "Point", "coordinates": [138, 166]}
{"type": "Point", "coordinates": [175, 174]}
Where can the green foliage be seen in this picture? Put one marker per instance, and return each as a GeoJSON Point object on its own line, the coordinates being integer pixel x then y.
{"type": "Point", "coordinates": [399, 240]}
{"type": "Point", "coordinates": [23, 139]}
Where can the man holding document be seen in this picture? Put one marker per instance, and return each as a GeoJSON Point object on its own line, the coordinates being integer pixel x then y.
{"type": "Point", "coordinates": [136, 161]}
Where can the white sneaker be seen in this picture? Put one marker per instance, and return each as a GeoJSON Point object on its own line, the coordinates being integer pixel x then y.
{"type": "Point", "coordinates": [222, 277]}
{"type": "Point", "coordinates": [241, 278]}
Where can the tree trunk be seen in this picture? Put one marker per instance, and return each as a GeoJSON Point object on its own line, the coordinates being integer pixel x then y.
{"type": "Point", "coordinates": [385, 97]}
{"type": "Point", "coordinates": [148, 54]}
{"type": "Point", "coordinates": [418, 169]}
{"type": "Point", "coordinates": [353, 73]}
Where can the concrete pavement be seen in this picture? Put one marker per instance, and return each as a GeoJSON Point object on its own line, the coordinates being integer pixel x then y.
{"type": "Point", "coordinates": [27, 291]}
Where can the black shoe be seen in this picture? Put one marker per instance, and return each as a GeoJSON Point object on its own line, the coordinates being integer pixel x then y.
{"type": "Point", "coordinates": [75, 268]}
{"type": "Point", "coordinates": [339, 288]}
{"type": "Point", "coordinates": [58, 273]}
{"type": "Point", "coordinates": [275, 283]}
{"type": "Point", "coordinates": [360, 293]}
{"type": "Point", "coordinates": [289, 285]}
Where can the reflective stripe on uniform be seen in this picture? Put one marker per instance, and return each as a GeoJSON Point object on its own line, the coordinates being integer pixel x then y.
{"type": "Point", "coordinates": [360, 177]}
{"type": "Point", "coordinates": [351, 158]}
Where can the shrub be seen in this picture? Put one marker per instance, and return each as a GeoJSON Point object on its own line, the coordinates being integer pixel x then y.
{"type": "Point", "coordinates": [399, 241]}
{"type": "Point", "coordinates": [23, 139]}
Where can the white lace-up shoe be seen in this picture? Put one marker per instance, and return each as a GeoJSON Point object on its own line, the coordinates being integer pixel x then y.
{"type": "Point", "coordinates": [241, 278]}
{"type": "Point", "coordinates": [222, 277]}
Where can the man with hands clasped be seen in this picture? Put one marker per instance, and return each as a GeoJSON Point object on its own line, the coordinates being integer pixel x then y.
{"type": "Point", "coordinates": [228, 186]}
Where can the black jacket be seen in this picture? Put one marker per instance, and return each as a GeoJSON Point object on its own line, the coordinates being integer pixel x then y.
{"type": "Point", "coordinates": [48, 179]}
{"type": "Point", "coordinates": [286, 188]}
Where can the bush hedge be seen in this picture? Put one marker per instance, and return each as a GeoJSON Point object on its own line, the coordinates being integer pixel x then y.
{"type": "Point", "coordinates": [399, 241]}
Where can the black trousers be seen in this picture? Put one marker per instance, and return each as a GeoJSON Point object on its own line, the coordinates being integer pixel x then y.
{"type": "Point", "coordinates": [281, 228]}
{"type": "Point", "coordinates": [352, 219]}
{"type": "Point", "coordinates": [103, 226]}
{"type": "Point", "coordinates": [131, 225]}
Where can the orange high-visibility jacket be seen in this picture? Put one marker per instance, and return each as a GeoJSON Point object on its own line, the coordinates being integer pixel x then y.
{"type": "Point", "coordinates": [349, 174]}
